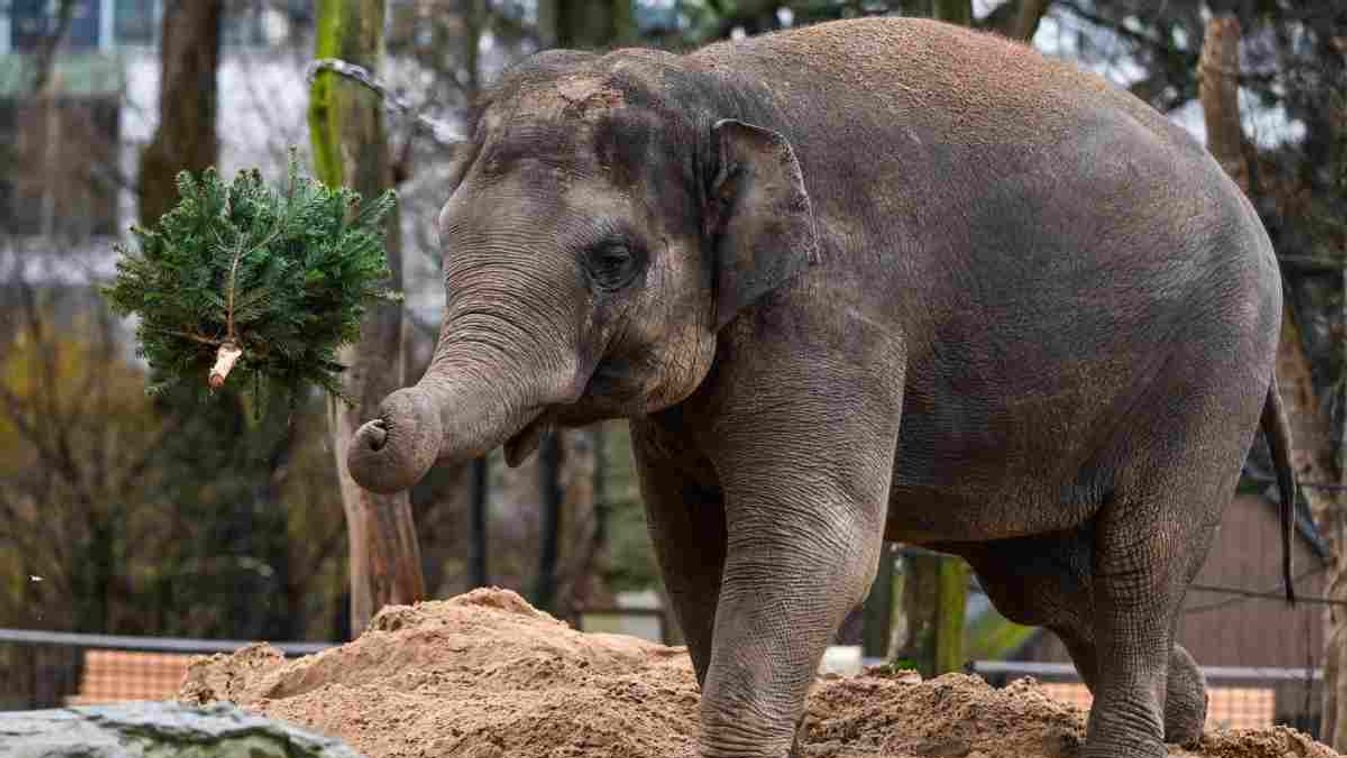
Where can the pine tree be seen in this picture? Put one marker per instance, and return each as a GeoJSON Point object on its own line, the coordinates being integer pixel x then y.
{"type": "Point", "coordinates": [242, 277]}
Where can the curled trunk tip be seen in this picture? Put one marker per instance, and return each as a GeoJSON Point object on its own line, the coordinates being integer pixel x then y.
{"type": "Point", "coordinates": [391, 452]}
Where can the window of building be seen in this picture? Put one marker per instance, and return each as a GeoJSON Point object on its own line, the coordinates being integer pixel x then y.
{"type": "Point", "coordinates": [63, 178]}
{"type": "Point", "coordinates": [32, 21]}
{"type": "Point", "coordinates": [134, 22]}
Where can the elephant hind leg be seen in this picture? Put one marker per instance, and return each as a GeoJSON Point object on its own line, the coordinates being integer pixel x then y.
{"type": "Point", "coordinates": [1047, 580]}
{"type": "Point", "coordinates": [1185, 699]}
{"type": "Point", "coordinates": [1185, 702]}
{"type": "Point", "coordinates": [1150, 539]}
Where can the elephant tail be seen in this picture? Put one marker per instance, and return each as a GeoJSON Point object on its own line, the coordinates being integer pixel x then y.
{"type": "Point", "coordinates": [1278, 433]}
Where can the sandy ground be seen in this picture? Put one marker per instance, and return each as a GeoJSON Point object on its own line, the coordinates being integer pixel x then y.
{"type": "Point", "coordinates": [484, 675]}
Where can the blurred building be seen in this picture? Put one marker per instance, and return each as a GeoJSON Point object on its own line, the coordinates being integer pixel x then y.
{"type": "Point", "coordinates": [74, 115]}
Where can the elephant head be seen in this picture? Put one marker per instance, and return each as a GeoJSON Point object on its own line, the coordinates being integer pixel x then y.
{"type": "Point", "coordinates": [605, 221]}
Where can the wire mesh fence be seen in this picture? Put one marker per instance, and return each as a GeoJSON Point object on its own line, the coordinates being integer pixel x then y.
{"type": "Point", "coordinates": [37, 676]}
{"type": "Point", "coordinates": [1238, 697]}
{"type": "Point", "coordinates": [40, 669]}
{"type": "Point", "coordinates": [55, 669]}
{"type": "Point", "coordinates": [50, 670]}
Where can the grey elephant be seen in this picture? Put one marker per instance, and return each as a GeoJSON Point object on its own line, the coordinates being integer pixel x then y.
{"type": "Point", "coordinates": [867, 280]}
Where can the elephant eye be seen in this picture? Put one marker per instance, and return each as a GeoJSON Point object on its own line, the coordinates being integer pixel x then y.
{"type": "Point", "coordinates": [611, 265]}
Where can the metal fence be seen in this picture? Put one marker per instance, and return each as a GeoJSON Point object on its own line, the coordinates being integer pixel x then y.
{"type": "Point", "coordinates": [1239, 697]}
{"type": "Point", "coordinates": [53, 669]}
{"type": "Point", "coordinates": [40, 669]}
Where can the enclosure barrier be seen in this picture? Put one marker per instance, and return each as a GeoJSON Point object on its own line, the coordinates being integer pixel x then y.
{"type": "Point", "coordinates": [52, 669]}
{"type": "Point", "coordinates": [1239, 697]}
{"type": "Point", "coordinates": [40, 669]}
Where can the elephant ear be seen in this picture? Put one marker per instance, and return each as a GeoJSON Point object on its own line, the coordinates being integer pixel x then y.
{"type": "Point", "coordinates": [762, 221]}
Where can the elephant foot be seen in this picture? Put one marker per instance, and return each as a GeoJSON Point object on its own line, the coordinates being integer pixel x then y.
{"type": "Point", "coordinates": [1123, 742]}
{"type": "Point", "coordinates": [1185, 700]}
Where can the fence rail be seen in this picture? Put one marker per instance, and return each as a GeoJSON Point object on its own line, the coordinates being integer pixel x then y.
{"type": "Point", "coordinates": [41, 669]}
{"type": "Point", "coordinates": [1212, 673]}
{"type": "Point", "coordinates": [150, 644]}
{"type": "Point", "coordinates": [1238, 696]}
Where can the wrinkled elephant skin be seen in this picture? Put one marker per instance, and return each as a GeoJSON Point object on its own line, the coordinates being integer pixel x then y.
{"type": "Point", "coordinates": [874, 279]}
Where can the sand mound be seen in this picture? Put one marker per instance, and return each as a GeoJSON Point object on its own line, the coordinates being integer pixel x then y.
{"type": "Point", "coordinates": [484, 675]}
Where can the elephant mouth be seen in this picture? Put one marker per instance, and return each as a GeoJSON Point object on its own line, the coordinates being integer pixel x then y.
{"type": "Point", "coordinates": [522, 444]}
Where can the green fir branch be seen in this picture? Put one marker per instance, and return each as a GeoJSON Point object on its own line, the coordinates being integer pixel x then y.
{"type": "Point", "coordinates": [283, 275]}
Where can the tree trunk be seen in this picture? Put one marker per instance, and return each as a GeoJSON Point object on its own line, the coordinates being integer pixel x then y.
{"type": "Point", "coordinates": [916, 8]}
{"type": "Point", "coordinates": [475, 17]}
{"type": "Point", "coordinates": [1332, 521]}
{"type": "Point", "coordinates": [549, 475]}
{"type": "Point", "coordinates": [916, 634]}
{"type": "Point", "coordinates": [595, 557]}
{"type": "Point", "coordinates": [477, 520]}
{"type": "Point", "coordinates": [586, 24]}
{"type": "Point", "coordinates": [951, 599]}
{"type": "Point", "coordinates": [1312, 460]}
{"type": "Point", "coordinates": [1311, 455]}
{"type": "Point", "coordinates": [1027, 18]}
{"type": "Point", "coordinates": [186, 137]}
{"type": "Point", "coordinates": [349, 147]}
{"type": "Point", "coordinates": [935, 589]}
{"type": "Point", "coordinates": [578, 24]}
{"type": "Point", "coordinates": [877, 621]}
{"type": "Point", "coordinates": [1218, 83]}
{"type": "Point", "coordinates": [954, 11]}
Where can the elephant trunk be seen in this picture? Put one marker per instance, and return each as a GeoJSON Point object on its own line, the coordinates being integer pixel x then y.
{"type": "Point", "coordinates": [474, 396]}
{"type": "Point", "coordinates": [393, 451]}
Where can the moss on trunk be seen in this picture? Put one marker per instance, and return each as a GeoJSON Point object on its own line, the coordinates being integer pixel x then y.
{"type": "Point", "coordinates": [349, 147]}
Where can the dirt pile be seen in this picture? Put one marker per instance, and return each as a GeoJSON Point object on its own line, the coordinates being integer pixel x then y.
{"type": "Point", "coordinates": [484, 675]}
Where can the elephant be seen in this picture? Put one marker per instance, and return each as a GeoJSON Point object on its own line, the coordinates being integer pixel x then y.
{"type": "Point", "coordinates": [867, 280]}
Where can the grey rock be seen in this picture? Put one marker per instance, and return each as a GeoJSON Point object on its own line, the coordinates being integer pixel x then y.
{"type": "Point", "coordinates": [158, 730]}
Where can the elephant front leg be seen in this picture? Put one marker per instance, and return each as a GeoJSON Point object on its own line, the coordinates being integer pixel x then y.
{"type": "Point", "coordinates": [793, 573]}
{"type": "Point", "coordinates": [804, 523]}
{"type": "Point", "coordinates": [685, 514]}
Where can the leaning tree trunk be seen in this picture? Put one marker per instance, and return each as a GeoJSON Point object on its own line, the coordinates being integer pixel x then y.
{"type": "Point", "coordinates": [349, 147]}
{"type": "Point", "coordinates": [1311, 456]}
{"type": "Point", "coordinates": [185, 139]}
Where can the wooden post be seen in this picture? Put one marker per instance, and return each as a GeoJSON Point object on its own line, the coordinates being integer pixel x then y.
{"type": "Point", "coordinates": [549, 473]}
{"type": "Point", "coordinates": [349, 147]}
{"type": "Point", "coordinates": [935, 589]}
{"type": "Point", "coordinates": [877, 622]}
{"type": "Point", "coordinates": [477, 520]}
{"type": "Point", "coordinates": [951, 595]}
